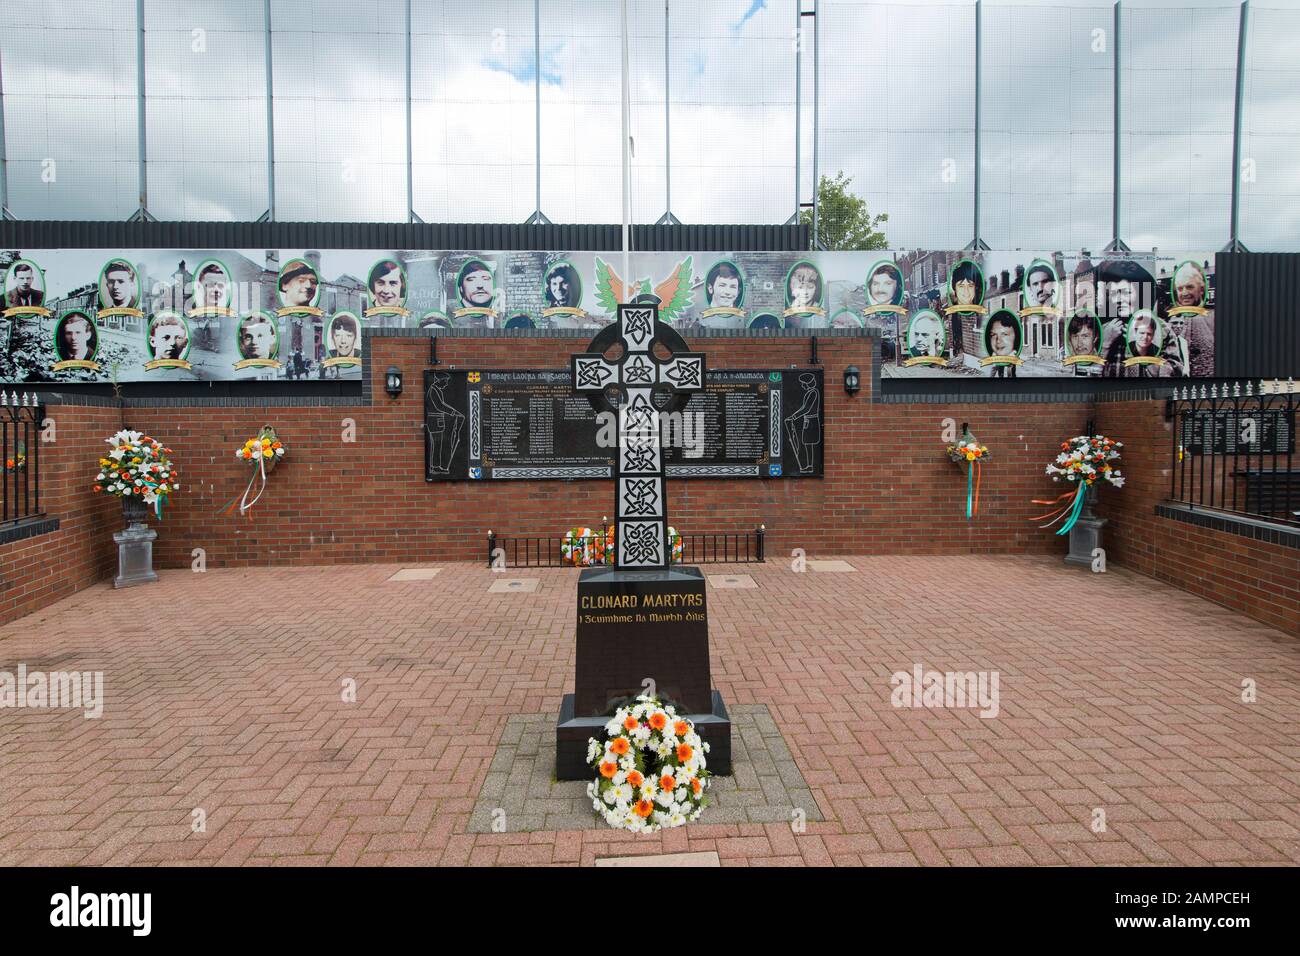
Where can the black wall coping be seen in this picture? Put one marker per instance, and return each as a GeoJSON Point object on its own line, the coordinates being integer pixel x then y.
{"type": "Point", "coordinates": [1256, 528]}
{"type": "Point", "coordinates": [28, 528]}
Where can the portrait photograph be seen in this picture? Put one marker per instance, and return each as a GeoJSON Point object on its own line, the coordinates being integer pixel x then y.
{"type": "Point", "coordinates": [884, 285]}
{"type": "Point", "coordinates": [927, 337]}
{"type": "Point", "coordinates": [343, 337]}
{"type": "Point", "coordinates": [386, 286]}
{"type": "Point", "coordinates": [1003, 335]}
{"type": "Point", "coordinates": [965, 285]}
{"type": "Point", "coordinates": [298, 286]}
{"type": "Point", "coordinates": [766, 320]}
{"type": "Point", "coordinates": [119, 286]}
{"type": "Point", "coordinates": [213, 289]}
{"type": "Point", "coordinates": [1124, 287]}
{"type": "Point", "coordinates": [258, 337]}
{"type": "Point", "coordinates": [475, 285]}
{"type": "Point", "coordinates": [520, 320]}
{"type": "Point", "coordinates": [1144, 335]}
{"type": "Point", "coordinates": [76, 338]}
{"type": "Point", "coordinates": [168, 337]}
{"type": "Point", "coordinates": [1042, 287]}
{"type": "Point", "coordinates": [24, 285]}
{"type": "Point", "coordinates": [561, 288]}
{"type": "Point", "coordinates": [803, 288]}
{"type": "Point", "coordinates": [1189, 289]}
{"type": "Point", "coordinates": [1083, 335]}
{"type": "Point", "coordinates": [724, 286]}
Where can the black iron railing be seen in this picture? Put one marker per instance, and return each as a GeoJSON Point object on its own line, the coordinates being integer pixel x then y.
{"type": "Point", "coordinates": [1234, 449]}
{"type": "Point", "coordinates": [20, 456]}
{"type": "Point", "coordinates": [746, 547]}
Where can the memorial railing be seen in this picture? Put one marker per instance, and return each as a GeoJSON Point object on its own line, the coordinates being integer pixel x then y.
{"type": "Point", "coordinates": [1234, 449]}
{"type": "Point", "coordinates": [20, 457]}
{"type": "Point", "coordinates": [514, 551]}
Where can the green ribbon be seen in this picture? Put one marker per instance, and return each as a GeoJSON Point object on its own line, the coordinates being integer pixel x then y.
{"type": "Point", "coordinates": [1074, 512]}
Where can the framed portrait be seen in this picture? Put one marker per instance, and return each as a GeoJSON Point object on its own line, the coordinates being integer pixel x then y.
{"type": "Point", "coordinates": [724, 289]}
{"type": "Point", "coordinates": [965, 288]}
{"type": "Point", "coordinates": [342, 340]}
{"type": "Point", "coordinates": [257, 338]}
{"type": "Point", "coordinates": [1083, 339]}
{"type": "Point", "coordinates": [168, 341]}
{"type": "Point", "coordinates": [386, 289]}
{"type": "Point", "coordinates": [23, 290]}
{"type": "Point", "coordinates": [119, 288]}
{"type": "Point", "coordinates": [805, 290]}
{"type": "Point", "coordinates": [1189, 289]}
{"type": "Point", "coordinates": [1124, 288]}
{"type": "Point", "coordinates": [1041, 291]}
{"type": "Point", "coordinates": [298, 288]}
{"type": "Point", "coordinates": [927, 339]}
{"type": "Point", "coordinates": [76, 341]}
{"type": "Point", "coordinates": [1003, 339]}
{"type": "Point", "coordinates": [1144, 339]}
{"type": "Point", "coordinates": [884, 289]}
{"type": "Point", "coordinates": [213, 290]}
{"type": "Point", "coordinates": [561, 290]}
{"type": "Point", "coordinates": [475, 289]}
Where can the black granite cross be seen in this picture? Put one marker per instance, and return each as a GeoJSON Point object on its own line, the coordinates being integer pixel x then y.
{"type": "Point", "coordinates": [654, 373]}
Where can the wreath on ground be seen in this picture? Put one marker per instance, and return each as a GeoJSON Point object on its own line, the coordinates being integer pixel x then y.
{"type": "Point", "coordinates": [650, 768]}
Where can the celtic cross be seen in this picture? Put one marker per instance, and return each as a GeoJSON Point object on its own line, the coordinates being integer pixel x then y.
{"type": "Point", "coordinates": [651, 372]}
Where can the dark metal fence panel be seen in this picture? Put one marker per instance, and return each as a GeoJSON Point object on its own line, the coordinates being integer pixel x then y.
{"type": "Point", "coordinates": [20, 457]}
{"type": "Point", "coordinates": [1256, 329]}
{"type": "Point", "coordinates": [745, 547]}
{"type": "Point", "coordinates": [596, 237]}
{"type": "Point", "coordinates": [1233, 449]}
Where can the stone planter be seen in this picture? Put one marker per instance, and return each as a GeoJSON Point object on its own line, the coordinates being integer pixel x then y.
{"type": "Point", "coordinates": [134, 546]}
{"type": "Point", "coordinates": [1085, 536]}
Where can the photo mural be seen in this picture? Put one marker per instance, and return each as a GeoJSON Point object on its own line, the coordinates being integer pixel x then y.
{"type": "Point", "coordinates": [87, 315]}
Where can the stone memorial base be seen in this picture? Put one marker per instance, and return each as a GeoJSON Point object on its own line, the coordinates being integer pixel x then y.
{"type": "Point", "coordinates": [135, 556]}
{"type": "Point", "coordinates": [636, 627]}
{"type": "Point", "coordinates": [1085, 536]}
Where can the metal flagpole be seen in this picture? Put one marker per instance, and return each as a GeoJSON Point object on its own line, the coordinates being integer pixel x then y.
{"type": "Point", "coordinates": [1116, 243]}
{"type": "Point", "coordinates": [817, 35]}
{"type": "Point", "coordinates": [977, 242]}
{"type": "Point", "coordinates": [627, 165]}
{"type": "Point", "coordinates": [410, 169]}
{"type": "Point", "coordinates": [798, 96]}
{"type": "Point", "coordinates": [538, 218]}
{"type": "Point", "coordinates": [269, 215]}
{"type": "Point", "coordinates": [4, 161]}
{"type": "Point", "coordinates": [1234, 243]}
{"type": "Point", "coordinates": [667, 219]}
{"type": "Point", "coordinates": [141, 213]}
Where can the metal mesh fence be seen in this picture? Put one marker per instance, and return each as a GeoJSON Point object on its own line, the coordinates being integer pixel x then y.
{"type": "Point", "coordinates": [723, 113]}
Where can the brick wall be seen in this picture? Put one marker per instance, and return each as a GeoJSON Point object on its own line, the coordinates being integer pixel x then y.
{"type": "Point", "coordinates": [39, 570]}
{"type": "Point", "coordinates": [1257, 578]}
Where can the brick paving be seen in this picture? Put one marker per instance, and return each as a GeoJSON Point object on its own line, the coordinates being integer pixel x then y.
{"type": "Point", "coordinates": [225, 693]}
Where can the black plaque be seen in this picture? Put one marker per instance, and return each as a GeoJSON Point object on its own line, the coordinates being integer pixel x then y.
{"type": "Point", "coordinates": [1226, 431]}
{"type": "Point", "coordinates": [635, 626]}
{"type": "Point", "coordinates": [529, 424]}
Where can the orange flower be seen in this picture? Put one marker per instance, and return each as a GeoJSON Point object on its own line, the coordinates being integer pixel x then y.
{"type": "Point", "coordinates": [684, 752]}
{"type": "Point", "coordinates": [631, 723]}
{"type": "Point", "coordinates": [608, 769]}
{"type": "Point", "coordinates": [681, 728]}
{"type": "Point", "coordinates": [634, 778]}
{"type": "Point", "coordinates": [658, 720]}
{"type": "Point", "coordinates": [644, 808]}
{"type": "Point", "coordinates": [619, 745]}
{"type": "Point", "coordinates": [666, 782]}
{"type": "Point", "coordinates": [696, 786]}
{"type": "Point", "coordinates": [99, 487]}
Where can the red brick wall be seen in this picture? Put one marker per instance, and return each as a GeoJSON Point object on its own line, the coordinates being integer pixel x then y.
{"type": "Point", "coordinates": [888, 486]}
{"type": "Point", "coordinates": [1253, 577]}
{"type": "Point", "coordinates": [37, 571]}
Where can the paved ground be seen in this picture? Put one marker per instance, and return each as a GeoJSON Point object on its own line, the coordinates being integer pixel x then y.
{"type": "Point", "coordinates": [224, 694]}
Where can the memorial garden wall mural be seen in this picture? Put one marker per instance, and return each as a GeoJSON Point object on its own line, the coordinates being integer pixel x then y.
{"type": "Point", "coordinates": [103, 315]}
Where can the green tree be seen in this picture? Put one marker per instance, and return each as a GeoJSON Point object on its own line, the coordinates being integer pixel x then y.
{"type": "Point", "coordinates": [843, 221]}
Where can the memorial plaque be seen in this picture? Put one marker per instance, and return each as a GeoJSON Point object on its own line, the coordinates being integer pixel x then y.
{"type": "Point", "coordinates": [530, 424]}
{"type": "Point", "coordinates": [1231, 431]}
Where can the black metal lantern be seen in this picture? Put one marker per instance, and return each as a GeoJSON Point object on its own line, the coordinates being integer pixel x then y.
{"type": "Point", "coordinates": [852, 380]}
{"type": "Point", "coordinates": [393, 381]}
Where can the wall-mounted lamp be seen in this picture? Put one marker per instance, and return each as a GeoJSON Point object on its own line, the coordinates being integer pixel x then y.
{"type": "Point", "coordinates": [393, 381]}
{"type": "Point", "coordinates": [852, 380]}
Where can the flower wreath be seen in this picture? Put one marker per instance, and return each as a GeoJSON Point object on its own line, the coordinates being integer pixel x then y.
{"type": "Point", "coordinates": [262, 452]}
{"type": "Point", "coordinates": [138, 466]}
{"type": "Point", "coordinates": [969, 450]}
{"type": "Point", "coordinates": [583, 547]}
{"type": "Point", "coordinates": [1083, 460]}
{"type": "Point", "coordinates": [650, 768]}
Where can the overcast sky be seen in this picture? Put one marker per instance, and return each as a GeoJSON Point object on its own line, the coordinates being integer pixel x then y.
{"type": "Point", "coordinates": [896, 112]}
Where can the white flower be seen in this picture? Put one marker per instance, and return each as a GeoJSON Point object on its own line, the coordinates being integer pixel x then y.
{"type": "Point", "coordinates": [593, 749]}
